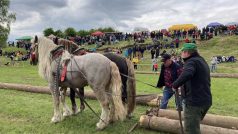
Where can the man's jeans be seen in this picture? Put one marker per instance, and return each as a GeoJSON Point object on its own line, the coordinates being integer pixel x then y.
{"type": "Point", "coordinates": [192, 117]}
{"type": "Point", "coordinates": [167, 94]}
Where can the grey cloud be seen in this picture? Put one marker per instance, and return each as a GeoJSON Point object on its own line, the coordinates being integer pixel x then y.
{"type": "Point", "coordinates": [38, 4]}
{"type": "Point", "coordinates": [123, 14]}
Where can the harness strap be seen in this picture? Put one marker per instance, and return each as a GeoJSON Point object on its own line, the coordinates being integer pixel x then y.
{"type": "Point", "coordinates": [64, 71]}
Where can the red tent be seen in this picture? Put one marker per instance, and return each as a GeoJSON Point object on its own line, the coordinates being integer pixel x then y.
{"type": "Point", "coordinates": [97, 33]}
{"type": "Point", "coordinates": [232, 27]}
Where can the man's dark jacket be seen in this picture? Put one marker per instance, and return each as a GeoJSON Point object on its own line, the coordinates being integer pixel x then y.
{"type": "Point", "coordinates": [196, 80]}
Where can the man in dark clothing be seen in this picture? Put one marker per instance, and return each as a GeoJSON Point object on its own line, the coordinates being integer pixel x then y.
{"type": "Point", "coordinates": [152, 52]}
{"type": "Point", "coordinates": [157, 52]}
{"type": "Point", "coordinates": [197, 94]}
{"type": "Point", "coordinates": [168, 74]}
{"type": "Point", "coordinates": [142, 50]}
{"type": "Point", "coordinates": [0, 51]}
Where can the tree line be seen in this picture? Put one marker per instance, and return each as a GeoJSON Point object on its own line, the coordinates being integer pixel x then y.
{"type": "Point", "coordinates": [71, 32]}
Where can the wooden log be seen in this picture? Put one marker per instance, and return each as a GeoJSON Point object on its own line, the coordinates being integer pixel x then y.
{"type": "Point", "coordinates": [224, 75]}
{"type": "Point", "coordinates": [26, 88]}
{"type": "Point", "coordinates": [209, 119]}
{"type": "Point", "coordinates": [163, 124]}
{"type": "Point", "coordinates": [150, 100]}
{"type": "Point", "coordinates": [215, 75]}
{"type": "Point", "coordinates": [143, 100]}
{"type": "Point", "coordinates": [147, 72]}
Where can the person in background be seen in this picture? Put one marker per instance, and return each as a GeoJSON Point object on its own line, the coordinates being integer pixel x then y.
{"type": "Point", "coordinates": [135, 61]}
{"type": "Point", "coordinates": [152, 52]}
{"type": "Point", "coordinates": [0, 51]}
{"type": "Point", "coordinates": [213, 64]}
{"type": "Point", "coordinates": [177, 43]}
{"type": "Point", "coordinates": [154, 65]}
{"type": "Point", "coordinates": [157, 51]}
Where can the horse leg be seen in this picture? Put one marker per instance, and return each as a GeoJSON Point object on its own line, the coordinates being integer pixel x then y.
{"type": "Point", "coordinates": [72, 98]}
{"type": "Point", "coordinates": [66, 109]}
{"type": "Point", "coordinates": [104, 103]}
{"type": "Point", "coordinates": [56, 99]}
{"type": "Point", "coordinates": [81, 97]}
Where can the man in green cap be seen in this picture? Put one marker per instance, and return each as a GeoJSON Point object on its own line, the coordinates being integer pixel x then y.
{"type": "Point", "coordinates": [196, 94]}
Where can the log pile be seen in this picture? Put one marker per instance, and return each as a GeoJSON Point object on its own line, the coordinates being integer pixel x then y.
{"type": "Point", "coordinates": [209, 119]}
{"type": "Point", "coordinates": [168, 121]}
{"type": "Point", "coordinates": [163, 124]}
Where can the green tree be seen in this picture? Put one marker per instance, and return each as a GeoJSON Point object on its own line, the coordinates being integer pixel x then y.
{"type": "Point", "coordinates": [82, 33]}
{"type": "Point", "coordinates": [59, 33]}
{"type": "Point", "coordinates": [70, 32]}
{"type": "Point", "coordinates": [6, 18]}
{"type": "Point", "coordinates": [48, 31]}
{"type": "Point", "coordinates": [92, 30]}
{"type": "Point", "coordinates": [108, 29]}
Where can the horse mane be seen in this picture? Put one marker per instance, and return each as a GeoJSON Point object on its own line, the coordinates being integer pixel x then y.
{"type": "Point", "coordinates": [44, 48]}
{"type": "Point", "coordinates": [69, 45]}
{"type": "Point", "coordinates": [65, 56]}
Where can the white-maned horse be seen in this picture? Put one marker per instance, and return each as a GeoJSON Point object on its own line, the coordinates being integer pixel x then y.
{"type": "Point", "coordinates": [92, 69]}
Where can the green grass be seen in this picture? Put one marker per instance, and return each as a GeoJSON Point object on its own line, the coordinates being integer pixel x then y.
{"type": "Point", "coordinates": [31, 113]}
{"type": "Point", "coordinates": [23, 112]}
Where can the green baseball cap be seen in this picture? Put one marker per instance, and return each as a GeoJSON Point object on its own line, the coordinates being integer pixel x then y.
{"type": "Point", "coordinates": [189, 46]}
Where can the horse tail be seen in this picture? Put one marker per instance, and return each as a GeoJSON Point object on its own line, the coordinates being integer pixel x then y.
{"type": "Point", "coordinates": [119, 112]}
{"type": "Point", "coordinates": [130, 88]}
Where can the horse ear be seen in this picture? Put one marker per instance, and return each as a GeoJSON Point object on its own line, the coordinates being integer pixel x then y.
{"type": "Point", "coordinates": [32, 41]}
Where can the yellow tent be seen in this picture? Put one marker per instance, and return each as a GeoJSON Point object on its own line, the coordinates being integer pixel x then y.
{"type": "Point", "coordinates": [182, 27]}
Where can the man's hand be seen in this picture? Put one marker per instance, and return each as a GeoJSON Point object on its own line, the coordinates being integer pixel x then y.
{"type": "Point", "coordinates": [174, 89]}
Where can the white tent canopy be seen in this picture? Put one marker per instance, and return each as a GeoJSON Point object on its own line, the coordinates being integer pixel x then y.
{"type": "Point", "coordinates": [232, 23]}
{"type": "Point", "coordinates": [140, 29]}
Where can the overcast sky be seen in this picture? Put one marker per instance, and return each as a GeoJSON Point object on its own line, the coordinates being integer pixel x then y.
{"type": "Point", "coordinates": [33, 16]}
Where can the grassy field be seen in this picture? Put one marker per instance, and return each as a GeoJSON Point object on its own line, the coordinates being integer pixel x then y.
{"type": "Point", "coordinates": [23, 112]}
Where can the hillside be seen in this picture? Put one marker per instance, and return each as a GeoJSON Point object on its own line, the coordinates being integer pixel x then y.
{"type": "Point", "coordinates": [220, 46]}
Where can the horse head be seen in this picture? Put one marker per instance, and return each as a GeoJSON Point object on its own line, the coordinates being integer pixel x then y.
{"type": "Point", "coordinates": [34, 54]}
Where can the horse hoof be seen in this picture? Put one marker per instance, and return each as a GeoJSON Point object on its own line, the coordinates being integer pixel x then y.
{"type": "Point", "coordinates": [129, 116]}
{"type": "Point", "coordinates": [55, 120]}
{"type": "Point", "coordinates": [100, 126]}
{"type": "Point", "coordinates": [75, 112]}
{"type": "Point", "coordinates": [82, 108]}
{"type": "Point", "coordinates": [67, 113]}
